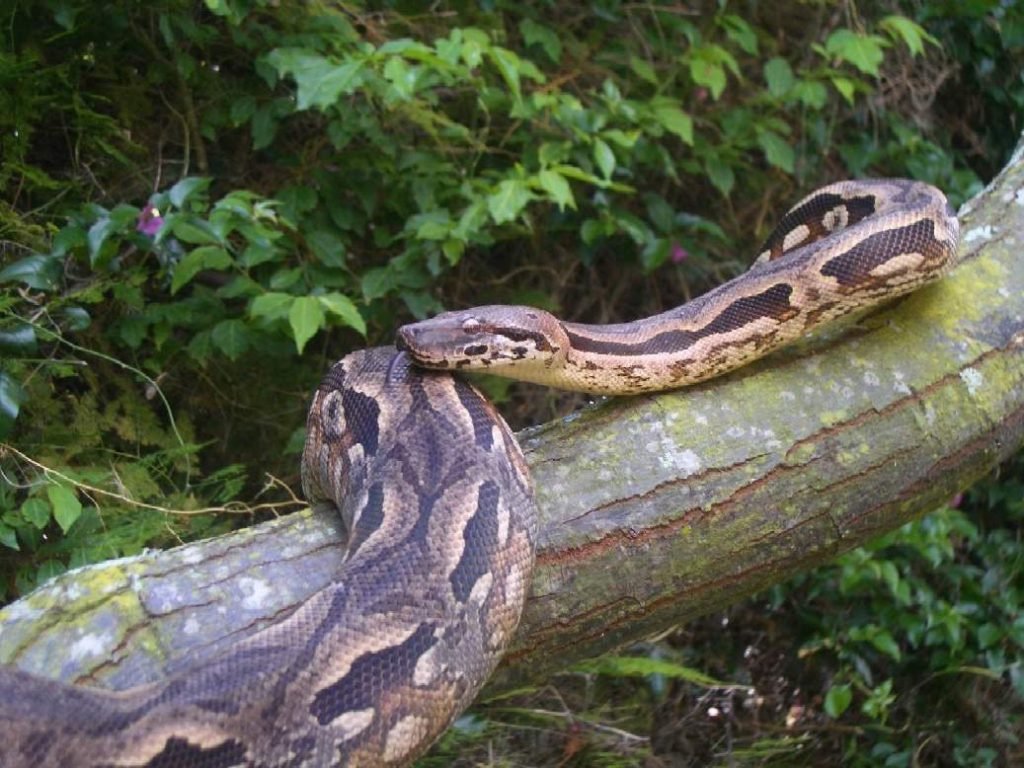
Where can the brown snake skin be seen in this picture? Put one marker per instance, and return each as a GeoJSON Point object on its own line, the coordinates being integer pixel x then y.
{"type": "Point", "coordinates": [370, 670]}
{"type": "Point", "coordinates": [847, 246]}
{"type": "Point", "coordinates": [435, 496]}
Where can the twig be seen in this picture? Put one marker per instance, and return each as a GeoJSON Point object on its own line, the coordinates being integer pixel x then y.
{"type": "Point", "coordinates": [232, 508]}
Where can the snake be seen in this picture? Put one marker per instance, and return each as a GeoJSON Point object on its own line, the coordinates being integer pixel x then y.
{"type": "Point", "coordinates": [436, 501]}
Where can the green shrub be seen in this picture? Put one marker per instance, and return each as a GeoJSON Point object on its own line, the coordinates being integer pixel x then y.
{"type": "Point", "coordinates": [922, 629]}
{"type": "Point", "coordinates": [321, 173]}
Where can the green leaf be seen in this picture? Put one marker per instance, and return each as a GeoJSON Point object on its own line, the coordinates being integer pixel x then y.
{"type": "Point", "coordinates": [283, 279]}
{"type": "Point", "coordinates": [604, 157]}
{"type": "Point", "coordinates": [912, 34]}
{"type": "Point", "coordinates": [231, 337]}
{"type": "Point", "coordinates": [654, 254]}
{"type": "Point", "coordinates": [41, 271]}
{"type": "Point", "coordinates": [101, 229]}
{"type": "Point", "coordinates": [192, 230]}
{"type": "Point", "coordinates": [258, 253]}
{"type": "Point", "coordinates": [218, 7]}
{"type": "Point", "coordinates": [707, 67]}
{"type": "Point", "coordinates": [557, 187]}
{"type": "Point", "coordinates": [433, 225]}
{"type": "Point", "coordinates": [69, 238]}
{"type": "Point", "coordinates": [404, 46]}
{"type": "Point", "coordinates": [306, 317]}
{"type": "Point", "coordinates": [624, 139]}
{"type": "Point", "coordinates": [537, 34]}
{"type": "Point", "coordinates": [181, 192]}
{"type": "Point", "coordinates": [264, 125]}
{"type": "Point", "coordinates": [878, 702]}
{"type": "Point", "coordinates": [48, 569]}
{"type": "Point", "coordinates": [240, 287]}
{"type": "Point", "coordinates": [674, 120]}
{"type": "Point", "coordinates": [377, 282]}
{"type": "Point", "coordinates": [862, 51]}
{"type": "Point", "coordinates": [572, 172]}
{"type": "Point", "coordinates": [132, 330]}
{"type": "Point", "coordinates": [593, 230]}
{"type": "Point", "coordinates": [453, 250]}
{"type": "Point", "coordinates": [811, 93]}
{"type": "Point", "coordinates": [642, 666]}
{"type": "Point", "coordinates": [837, 700]}
{"type": "Point", "coordinates": [740, 32]}
{"type": "Point", "coordinates": [327, 246]}
{"type": "Point", "coordinates": [472, 220]}
{"type": "Point", "coordinates": [890, 575]}
{"type": "Point", "coordinates": [200, 347]}
{"type": "Point", "coordinates": [242, 109]}
{"type": "Point", "coordinates": [77, 318]}
{"type": "Point", "coordinates": [65, 13]}
{"type": "Point", "coordinates": [8, 537]}
{"type": "Point", "coordinates": [508, 65]}
{"type": "Point", "coordinates": [272, 305]}
{"type": "Point", "coordinates": [552, 152]}
{"type": "Point", "coordinates": [642, 69]}
{"type": "Point", "coordinates": [777, 150]}
{"type": "Point", "coordinates": [472, 49]}
{"type": "Point", "coordinates": [779, 76]}
{"type": "Point", "coordinates": [204, 257]}
{"type": "Point", "coordinates": [709, 74]}
{"type": "Point", "coordinates": [720, 174]}
{"type": "Point", "coordinates": [66, 506]}
{"type": "Point", "coordinates": [125, 217]}
{"type": "Point", "coordinates": [36, 511]}
{"type": "Point", "coordinates": [508, 200]}
{"type": "Point", "coordinates": [11, 397]}
{"type": "Point", "coordinates": [341, 306]}
{"type": "Point", "coordinates": [320, 81]}
{"type": "Point", "coordinates": [660, 213]}
{"type": "Point", "coordinates": [846, 88]}
{"type": "Point", "coordinates": [884, 642]}
{"type": "Point", "coordinates": [401, 76]}
{"type": "Point", "coordinates": [989, 635]}
{"type": "Point", "coordinates": [19, 340]}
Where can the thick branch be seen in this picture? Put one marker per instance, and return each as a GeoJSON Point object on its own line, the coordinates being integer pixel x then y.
{"type": "Point", "coordinates": [654, 509]}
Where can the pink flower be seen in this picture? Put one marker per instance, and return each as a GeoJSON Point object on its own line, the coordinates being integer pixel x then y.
{"type": "Point", "coordinates": [150, 221]}
{"type": "Point", "coordinates": [678, 254]}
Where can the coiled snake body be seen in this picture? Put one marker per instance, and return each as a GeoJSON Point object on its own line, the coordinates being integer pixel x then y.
{"type": "Point", "coordinates": [435, 497]}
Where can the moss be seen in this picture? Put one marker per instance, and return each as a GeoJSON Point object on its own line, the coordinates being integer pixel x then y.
{"type": "Point", "coordinates": [93, 609]}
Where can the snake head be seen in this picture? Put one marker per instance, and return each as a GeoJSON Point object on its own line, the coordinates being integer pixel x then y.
{"type": "Point", "coordinates": [489, 337]}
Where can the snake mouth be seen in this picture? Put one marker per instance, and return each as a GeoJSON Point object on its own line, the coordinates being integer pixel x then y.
{"type": "Point", "coordinates": [402, 341]}
{"type": "Point", "coordinates": [412, 341]}
{"type": "Point", "coordinates": [426, 346]}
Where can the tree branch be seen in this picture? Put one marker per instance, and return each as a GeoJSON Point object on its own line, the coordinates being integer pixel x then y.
{"type": "Point", "coordinates": [653, 509]}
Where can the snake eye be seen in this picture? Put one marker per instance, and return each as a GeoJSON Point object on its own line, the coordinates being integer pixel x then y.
{"type": "Point", "coordinates": [471, 325]}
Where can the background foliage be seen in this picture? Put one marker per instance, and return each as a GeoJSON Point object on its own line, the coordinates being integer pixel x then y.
{"type": "Point", "coordinates": [204, 203]}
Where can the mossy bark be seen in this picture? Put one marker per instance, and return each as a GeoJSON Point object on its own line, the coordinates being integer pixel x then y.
{"type": "Point", "coordinates": [654, 509]}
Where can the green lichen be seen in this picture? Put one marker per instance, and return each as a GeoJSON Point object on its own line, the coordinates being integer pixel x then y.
{"type": "Point", "coordinates": [73, 607]}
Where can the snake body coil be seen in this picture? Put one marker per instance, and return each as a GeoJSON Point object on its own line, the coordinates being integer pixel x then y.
{"type": "Point", "coordinates": [436, 500]}
{"type": "Point", "coordinates": [435, 497]}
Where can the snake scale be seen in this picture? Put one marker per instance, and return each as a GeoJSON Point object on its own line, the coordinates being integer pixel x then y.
{"type": "Point", "coordinates": [435, 497]}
